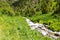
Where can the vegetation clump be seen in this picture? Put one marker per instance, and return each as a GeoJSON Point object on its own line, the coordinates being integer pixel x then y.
{"type": "Point", "coordinates": [14, 27]}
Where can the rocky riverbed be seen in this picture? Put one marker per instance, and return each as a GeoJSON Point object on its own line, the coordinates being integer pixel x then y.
{"type": "Point", "coordinates": [41, 28]}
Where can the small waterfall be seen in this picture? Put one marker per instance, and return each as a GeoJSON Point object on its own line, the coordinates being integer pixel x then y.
{"type": "Point", "coordinates": [41, 28]}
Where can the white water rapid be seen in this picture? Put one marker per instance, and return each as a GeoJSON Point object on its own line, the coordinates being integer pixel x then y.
{"type": "Point", "coordinates": [41, 28]}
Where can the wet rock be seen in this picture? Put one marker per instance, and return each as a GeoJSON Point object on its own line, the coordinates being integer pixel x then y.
{"type": "Point", "coordinates": [56, 34]}
{"type": "Point", "coordinates": [44, 29]}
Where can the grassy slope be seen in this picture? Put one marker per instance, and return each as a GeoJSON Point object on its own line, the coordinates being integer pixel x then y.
{"type": "Point", "coordinates": [16, 28]}
{"type": "Point", "coordinates": [53, 22]}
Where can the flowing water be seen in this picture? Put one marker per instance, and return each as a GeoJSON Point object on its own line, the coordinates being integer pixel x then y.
{"type": "Point", "coordinates": [41, 28]}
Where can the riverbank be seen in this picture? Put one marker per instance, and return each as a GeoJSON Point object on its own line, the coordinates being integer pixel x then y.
{"type": "Point", "coordinates": [41, 28]}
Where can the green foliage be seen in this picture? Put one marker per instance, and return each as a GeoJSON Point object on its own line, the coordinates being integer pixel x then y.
{"type": "Point", "coordinates": [6, 9]}
{"type": "Point", "coordinates": [16, 28]}
{"type": "Point", "coordinates": [42, 11]}
{"type": "Point", "coordinates": [53, 22]}
{"type": "Point", "coordinates": [30, 7]}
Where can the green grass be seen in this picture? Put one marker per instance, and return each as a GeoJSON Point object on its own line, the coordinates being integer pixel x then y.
{"type": "Point", "coordinates": [53, 22]}
{"type": "Point", "coordinates": [16, 28]}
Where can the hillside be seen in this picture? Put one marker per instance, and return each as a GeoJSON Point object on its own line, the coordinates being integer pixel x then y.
{"type": "Point", "coordinates": [14, 27]}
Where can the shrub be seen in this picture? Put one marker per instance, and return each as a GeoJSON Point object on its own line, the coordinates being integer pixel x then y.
{"type": "Point", "coordinates": [5, 9]}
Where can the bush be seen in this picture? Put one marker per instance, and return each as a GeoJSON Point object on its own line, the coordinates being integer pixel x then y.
{"type": "Point", "coordinates": [5, 9]}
